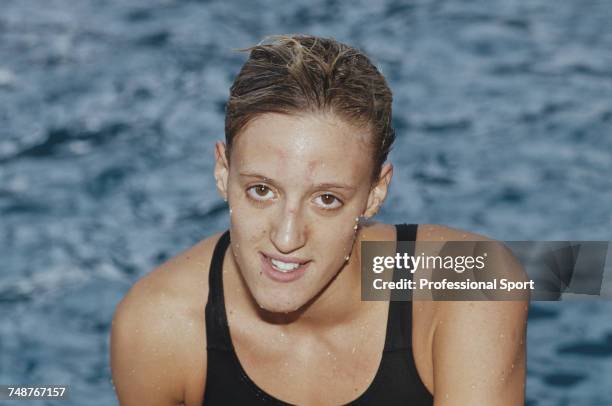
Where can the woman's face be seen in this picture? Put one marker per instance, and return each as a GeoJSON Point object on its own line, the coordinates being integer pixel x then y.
{"type": "Point", "coordinates": [296, 186]}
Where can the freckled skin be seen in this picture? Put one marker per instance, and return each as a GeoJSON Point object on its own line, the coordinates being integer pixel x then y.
{"type": "Point", "coordinates": [293, 156]}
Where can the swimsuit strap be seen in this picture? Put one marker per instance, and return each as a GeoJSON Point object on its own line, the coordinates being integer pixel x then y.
{"type": "Point", "coordinates": [399, 324]}
{"type": "Point", "coordinates": [217, 329]}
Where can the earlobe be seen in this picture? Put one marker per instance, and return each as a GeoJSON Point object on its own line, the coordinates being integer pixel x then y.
{"type": "Point", "coordinates": [374, 202]}
{"type": "Point", "coordinates": [379, 191]}
{"type": "Point", "coordinates": [221, 169]}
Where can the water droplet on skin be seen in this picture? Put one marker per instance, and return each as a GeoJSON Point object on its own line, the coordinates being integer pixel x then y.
{"type": "Point", "coordinates": [346, 258]}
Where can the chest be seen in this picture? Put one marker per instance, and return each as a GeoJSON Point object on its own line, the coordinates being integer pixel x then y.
{"type": "Point", "coordinates": [333, 366]}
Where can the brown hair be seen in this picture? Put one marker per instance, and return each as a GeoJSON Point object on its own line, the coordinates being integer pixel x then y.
{"type": "Point", "coordinates": [292, 74]}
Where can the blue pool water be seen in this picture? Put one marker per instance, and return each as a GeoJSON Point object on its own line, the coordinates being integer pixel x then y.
{"type": "Point", "coordinates": [109, 110]}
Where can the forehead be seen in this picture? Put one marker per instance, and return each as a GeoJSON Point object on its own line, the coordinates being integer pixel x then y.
{"type": "Point", "coordinates": [304, 145]}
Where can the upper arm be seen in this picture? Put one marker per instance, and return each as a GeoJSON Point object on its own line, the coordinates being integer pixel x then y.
{"type": "Point", "coordinates": [479, 351]}
{"type": "Point", "coordinates": [479, 354]}
{"type": "Point", "coordinates": [144, 350]}
{"type": "Point", "coordinates": [478, 347]}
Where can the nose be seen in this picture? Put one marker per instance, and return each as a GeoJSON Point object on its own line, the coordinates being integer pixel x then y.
{"type": "Point", "coordinates": [288, 233]}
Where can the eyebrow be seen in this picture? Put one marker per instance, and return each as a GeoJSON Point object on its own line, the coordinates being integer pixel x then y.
{"type": "Point", "coordinates": [324, 185]}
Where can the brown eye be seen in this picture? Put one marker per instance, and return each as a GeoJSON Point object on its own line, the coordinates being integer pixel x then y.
{"type": "Point", "coordinates": [328, 201]}
{"type": "Point", "coordinates": [260, 192]}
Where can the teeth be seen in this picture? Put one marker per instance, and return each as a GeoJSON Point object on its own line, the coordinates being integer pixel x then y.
{"type": "Point", "coordinates": [284, 266]}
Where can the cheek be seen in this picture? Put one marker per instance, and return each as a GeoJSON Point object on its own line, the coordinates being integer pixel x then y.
{"type": "Point", "coordinates": [335, 241]}
{"type": "Point", "coordinates": [245, 225]}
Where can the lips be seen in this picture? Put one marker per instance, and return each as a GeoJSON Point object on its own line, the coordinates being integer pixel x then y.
{"type": "Point", "coordinates": [283, 269]}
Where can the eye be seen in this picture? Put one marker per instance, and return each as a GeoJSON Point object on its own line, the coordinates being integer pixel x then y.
{"type": "Point", "coordinates": [260, 193]}
{"type": "Point", "coordinates": [328, 201]}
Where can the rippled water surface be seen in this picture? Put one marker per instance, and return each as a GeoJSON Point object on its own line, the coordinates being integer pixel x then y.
{"type": "Point", "coordinates": [109, 110]}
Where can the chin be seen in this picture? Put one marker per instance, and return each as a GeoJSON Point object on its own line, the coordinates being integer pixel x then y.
{"type": "Point", "coordinates": [275, 303]}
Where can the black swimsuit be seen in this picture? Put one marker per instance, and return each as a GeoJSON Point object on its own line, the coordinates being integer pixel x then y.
{"type": "Point", "coordinates": [396, 382]}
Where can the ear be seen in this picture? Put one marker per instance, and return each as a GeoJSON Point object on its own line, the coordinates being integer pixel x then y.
{"type": "Point", "coordinates": [221, 169]}
{"type": "Point", "coordinates": [378, 193]}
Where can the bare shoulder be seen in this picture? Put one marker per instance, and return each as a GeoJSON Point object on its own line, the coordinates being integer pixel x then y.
{"type": "Point", "coordinates": [158, 332]}
{"type": "Point", "coordinates": [435, 232]}
{"type": "Point", "coordinates": [478, 347]}
{"type": "Point", "coordinates": [501, 260]}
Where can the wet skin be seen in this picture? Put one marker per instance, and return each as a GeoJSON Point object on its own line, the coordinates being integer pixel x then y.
{"type": "Point", "coordinates": [295, 186]}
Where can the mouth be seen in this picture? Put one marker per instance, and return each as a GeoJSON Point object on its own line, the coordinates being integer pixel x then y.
{"type": "Point", "coordinates": [279, 270]}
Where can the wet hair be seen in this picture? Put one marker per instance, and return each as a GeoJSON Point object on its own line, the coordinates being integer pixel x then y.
{"type": "Point", "coordinates": [297, 74]}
